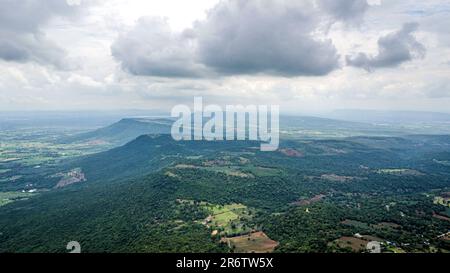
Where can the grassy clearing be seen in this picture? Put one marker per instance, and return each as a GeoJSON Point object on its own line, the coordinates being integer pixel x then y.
{"type": "Point", "coordinates": [230, 171]}
{"type": "Point", "coordinates": [9, 197]}
{"type": "Point", "coordinates": [399, 172]}
{"type": "Point", "coordinates": [228, 220]}
{"type": "Point", "coordinates": [393, 249]}
{"type": "Point", "coordinates": [352, 243]}
{"type": "Point", "coordinates": [438, 200]}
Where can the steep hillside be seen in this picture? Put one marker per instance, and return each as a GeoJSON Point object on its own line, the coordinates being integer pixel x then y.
{"type": "Point", "coordinates": [124, 131]}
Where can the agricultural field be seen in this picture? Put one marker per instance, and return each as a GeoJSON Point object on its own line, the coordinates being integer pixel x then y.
{"type": "Point", "coordinates": [255, 242]}
{"type": "Point", "coordinates": [28, 156]}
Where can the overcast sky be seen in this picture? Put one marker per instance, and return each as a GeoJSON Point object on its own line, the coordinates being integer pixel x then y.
{"type": "Point", "coordinates": [307, 56]}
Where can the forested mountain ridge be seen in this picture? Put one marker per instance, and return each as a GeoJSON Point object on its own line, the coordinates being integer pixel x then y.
{"type": "Point", "coordinates": [154, 194]}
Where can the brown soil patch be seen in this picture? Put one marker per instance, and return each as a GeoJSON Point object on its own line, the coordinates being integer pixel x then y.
{"type": "Point", "coordinates": [185, 166]}
{"type": "Point", "coordinates": [72, 177]}
{"type": "Point", "coordinates": [256, 242]}
{"type": "Point", "coordinates": [306, 202]}
{"type": "Point", "coordinates": [338, 178]}
{"type": "Point", "coordinates": [356, 244]}
{"type": "Point", "coordinates": [291, 152]}
{"type": "Point", "coordinates": [441, 217]}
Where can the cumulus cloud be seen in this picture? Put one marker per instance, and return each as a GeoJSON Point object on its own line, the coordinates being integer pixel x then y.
{"type": "Point", "coordinates": [21, 36]}
{"type": "Point", "coordinates": [273, 37]}
{"type": "Point", "coordinates": [237, 37]}
{"type": "Point", "coordinates": [393, 50]}
{"type": "Point", "coordinates": [345, 10]}
{"type": "Point", "coordinates": [31, 47]}
{"type": "Point", "coordinates": [152, 49]}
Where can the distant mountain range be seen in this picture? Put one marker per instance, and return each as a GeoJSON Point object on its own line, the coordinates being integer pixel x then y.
{"type": "Point", "coordinates": [86, 120]}
{"type": "Point", "coordinates": [390, 117]}
{"type": "Point", "coordinates": [129, 129]}
{"type": "Point", "coordinates": [366, 123]}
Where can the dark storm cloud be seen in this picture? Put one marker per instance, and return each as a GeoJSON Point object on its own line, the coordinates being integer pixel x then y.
{"type": "Point", "coordinates": [345, 10]}
{"type": "Point", "coordinates": [393, 50]}
{"type": "Point", "coordinates": [238, 37]}
{"type": "Point", "coordinates": [21, 37]}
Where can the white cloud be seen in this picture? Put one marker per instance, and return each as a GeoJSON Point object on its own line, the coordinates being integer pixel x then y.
{"type": "Point", "coordinates": [21, 35]}
{"type": "Point", "coordinates": [393, 50]}
{"type": "Point", "coordinates": [36, 46]}
{"type": "Point", "coordinates": [237, 37]}
{"type": "Point", "coordinates": [152, 49]}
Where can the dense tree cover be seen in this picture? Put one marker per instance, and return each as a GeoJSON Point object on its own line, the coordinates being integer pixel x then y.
{"type": "Point", "coordinates": [299, 230]}
{"type": "Point", "coordinates": [136, 215]}
{"type": "Point", "coordinates": [129, 203]}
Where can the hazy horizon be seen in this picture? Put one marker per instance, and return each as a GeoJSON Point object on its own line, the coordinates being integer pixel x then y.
{"type": "Point", "coordinates": [166, 112]}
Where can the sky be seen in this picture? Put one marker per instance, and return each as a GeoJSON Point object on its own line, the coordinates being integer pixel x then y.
{"type": "Point", "coordinates": [308, 56]}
